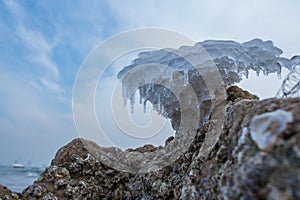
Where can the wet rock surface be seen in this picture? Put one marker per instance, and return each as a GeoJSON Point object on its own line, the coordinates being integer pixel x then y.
{"type": "Point", "coordinates": [236, 168]}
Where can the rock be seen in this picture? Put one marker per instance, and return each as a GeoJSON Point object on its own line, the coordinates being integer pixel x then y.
{"type": "Point", "coordinates": [6, 193]}
{"type": "Point", "coordinates": [239, 166]}
{"type": "Point", "coordinates": [50, 196]}
{"type": "Point", "coordinates": [35, 191]}
{"type": "Point", "coordinates": [145, 148]}
{"type": "Point", "coordinates": [235, 93]}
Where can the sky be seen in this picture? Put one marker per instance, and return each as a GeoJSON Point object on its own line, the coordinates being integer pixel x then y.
{"type": "Point", "coordinates": [44, 43]}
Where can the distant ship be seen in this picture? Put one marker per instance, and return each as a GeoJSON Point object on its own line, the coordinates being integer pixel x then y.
{"type": "Point", "coordinates": [18, 165]}
{"type": "Point", "coordinates": [35, 168]}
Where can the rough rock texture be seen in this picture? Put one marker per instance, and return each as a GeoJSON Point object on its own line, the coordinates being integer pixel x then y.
{"type": "Point", "coordinates": [236, 168]}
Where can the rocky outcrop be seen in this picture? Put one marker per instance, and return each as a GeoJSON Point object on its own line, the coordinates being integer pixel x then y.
{"type": "Point", "coordinates": [6, 193]}
{"type": "Point", "coordinates": [237, 167]}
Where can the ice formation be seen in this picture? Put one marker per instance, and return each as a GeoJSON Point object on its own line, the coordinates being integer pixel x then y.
{"type": "Point", "coordinates": [242, 138]}
{"type": "Point", "coordinates": [159, 84]}
{"type": "Point", "coordinates": [291, 85]}
{"type": "Point", "coordinates": [265, 129]}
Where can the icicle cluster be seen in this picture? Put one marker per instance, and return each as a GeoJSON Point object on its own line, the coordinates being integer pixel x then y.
{"type": "Point", "coordinates": [233, 59]}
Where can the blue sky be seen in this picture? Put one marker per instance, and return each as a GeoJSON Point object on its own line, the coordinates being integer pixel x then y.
{"type": "Point", "coordinates": [43, 43]}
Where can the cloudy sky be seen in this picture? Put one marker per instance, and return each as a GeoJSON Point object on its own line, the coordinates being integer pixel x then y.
{"type": "Point", "coordinates": [43, 43]}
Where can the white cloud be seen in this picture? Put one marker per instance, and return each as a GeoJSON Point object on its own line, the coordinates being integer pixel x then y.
{"type": "Point", "coordinates": [14, 8]}
{"type": "Point", "coordinates": [51, 85]}
{"type": "Point", "coordinates": [39, 48]}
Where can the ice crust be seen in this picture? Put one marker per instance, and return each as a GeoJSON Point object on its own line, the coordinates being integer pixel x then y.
{"type": "Point", "coordinates": [233, 60]}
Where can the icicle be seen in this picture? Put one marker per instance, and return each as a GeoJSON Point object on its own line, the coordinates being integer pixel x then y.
{"type": "Point", "coordinates": [141, 94]}
{"type": "Point", "coordinates": [247, 74]}
{"type": "Point", "coordinates": [162, 110]}
{"type": "Point", "coordinates": [132, 107]}
{"type": "Point", "coordinates": [159, 102]}
{"type": "Point", "coordinates": [186, 76]}
{"type": "Point", "coordinates": [158, 98]}
{"type": "Point", "coordinates": [257, 72]}
{"type": "Point", "coordinates": [132, 102]}
{"type": "Point", "coordinates": [265, 72]}
{"type": "Point", "coordinates": [145, 106]}
{"type": "Point", "coordinates": [152, 87]}
{"type": "Point", "coordinates": [279, 72]}
{"type": "Point", "coordinates": [124, 91]}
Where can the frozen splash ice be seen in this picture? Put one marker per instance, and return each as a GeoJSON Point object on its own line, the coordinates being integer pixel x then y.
{"type": "Point", "coordinates": [233, 60]}
{"type": "Point", "coordinates": [265, 129]}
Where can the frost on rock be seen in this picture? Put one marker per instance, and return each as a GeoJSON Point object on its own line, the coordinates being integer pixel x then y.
{"type": "Point", "coordinates": [265, 129]}
{"type": "Point", "coordinates": [161, 76]}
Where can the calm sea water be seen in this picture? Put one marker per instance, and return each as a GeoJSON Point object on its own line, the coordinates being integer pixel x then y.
{"type": "Point", "coordinates": [17, 179]}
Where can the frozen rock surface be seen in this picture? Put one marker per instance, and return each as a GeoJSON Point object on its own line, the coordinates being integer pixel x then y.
{"type": "Point", "coordinates": [234, 169]}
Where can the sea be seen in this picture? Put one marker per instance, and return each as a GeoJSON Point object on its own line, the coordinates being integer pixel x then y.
{"type": "Point", "coordinates": [17, 179]}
